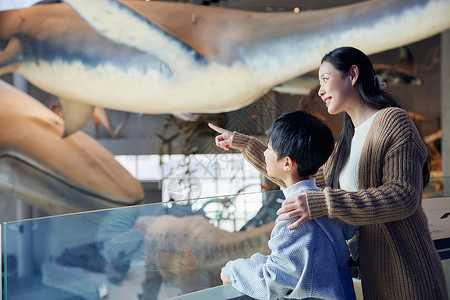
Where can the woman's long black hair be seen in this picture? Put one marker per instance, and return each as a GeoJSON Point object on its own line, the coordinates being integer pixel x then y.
{"type": "Point", "coordinates": [369, 87]}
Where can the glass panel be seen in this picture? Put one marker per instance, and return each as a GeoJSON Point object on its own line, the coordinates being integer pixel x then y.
{"type": "Point", "coordinates": [436, 204]}
{"type": "Point", "coordinates": [154, 251]}
{"type": "Point", "coordinates": [437, 187]}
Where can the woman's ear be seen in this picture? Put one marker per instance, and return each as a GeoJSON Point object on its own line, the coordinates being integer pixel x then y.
{"type": "Point", "coordinates": [354, 74]}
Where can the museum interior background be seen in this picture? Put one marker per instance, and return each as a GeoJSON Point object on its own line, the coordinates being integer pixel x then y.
{"type": "Point", "coordinates": [176, 159]}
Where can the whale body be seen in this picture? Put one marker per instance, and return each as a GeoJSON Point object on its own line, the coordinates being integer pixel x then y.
{"type": "Point", "coordinates": [161, 57]}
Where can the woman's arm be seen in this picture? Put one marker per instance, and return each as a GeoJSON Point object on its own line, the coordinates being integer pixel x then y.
{"type": "Point", "coordinates": [396, 198]}
{"type": "Point", "coordinates": [253, 151]}
{"type": "Point", "coordinates": [390, 178]}
{"type": "Point", "coordinates": [251, 148]}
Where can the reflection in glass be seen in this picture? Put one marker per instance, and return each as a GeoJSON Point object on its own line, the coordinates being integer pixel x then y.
{"type": "Point", "coordinates": [154, 251]}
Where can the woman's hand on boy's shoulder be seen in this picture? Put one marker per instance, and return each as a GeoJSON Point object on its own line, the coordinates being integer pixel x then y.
{"type": "Point", "coordinates": [294, 207]}
{"type": "Point", "coordinates": [224, 139]}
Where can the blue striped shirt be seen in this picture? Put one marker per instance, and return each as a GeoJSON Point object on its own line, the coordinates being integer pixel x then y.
{"type": "Point", "coordinates": [308, 262]}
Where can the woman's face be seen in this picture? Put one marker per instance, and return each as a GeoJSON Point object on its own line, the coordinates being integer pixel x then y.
{"type": "Point", "coordinates": [334, 90]}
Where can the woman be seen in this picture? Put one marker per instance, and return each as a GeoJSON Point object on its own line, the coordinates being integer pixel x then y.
{"type": "Point", "coordinates": [374, 179]}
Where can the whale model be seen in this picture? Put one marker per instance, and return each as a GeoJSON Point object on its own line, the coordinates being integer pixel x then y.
{"type": "Point", "coordinates": [56, 175]}
{"type": "Point", "coordinates": [162, 57]}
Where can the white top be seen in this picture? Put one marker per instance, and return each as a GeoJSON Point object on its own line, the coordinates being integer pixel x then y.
{"type": "Point", "coordinates": [348, 178]}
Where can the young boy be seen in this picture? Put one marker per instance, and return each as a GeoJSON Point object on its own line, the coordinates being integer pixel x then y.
{"type": "Point", "coordinates": [311, 260]}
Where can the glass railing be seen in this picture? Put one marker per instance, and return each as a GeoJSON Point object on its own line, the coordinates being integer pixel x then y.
{"type": "Point", "coordinates": [436, 204]}
{"type": "Point", "coordinates": [154, 251]}
{"type": "Point", "coordinates": [437, 187]}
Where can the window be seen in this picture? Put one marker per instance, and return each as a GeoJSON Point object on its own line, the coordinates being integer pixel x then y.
{"type": "Point", "coordinates": [201, 176]}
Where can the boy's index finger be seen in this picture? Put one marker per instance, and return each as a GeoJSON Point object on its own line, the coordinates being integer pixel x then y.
{"type": "Point", "coordinates": [216, 128]}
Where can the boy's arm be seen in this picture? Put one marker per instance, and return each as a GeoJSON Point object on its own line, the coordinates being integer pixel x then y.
{"type": "Point", "coordinates": [274, 276]}
{"type": "Point", "coordinates": [256, 258]}
{"type": "Point", "coordinates": [253, 151]}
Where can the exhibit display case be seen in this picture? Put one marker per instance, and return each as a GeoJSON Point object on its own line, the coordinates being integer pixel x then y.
{"type": "Point", "coordinates": [154, 251]}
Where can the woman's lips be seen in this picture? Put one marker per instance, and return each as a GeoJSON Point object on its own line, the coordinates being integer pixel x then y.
{"type": "Point", "coordinates": [327, 101]}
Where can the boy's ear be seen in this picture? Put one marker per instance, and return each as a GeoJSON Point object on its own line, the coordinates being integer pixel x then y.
{"type": "Point", "coordinates": [288, 164]}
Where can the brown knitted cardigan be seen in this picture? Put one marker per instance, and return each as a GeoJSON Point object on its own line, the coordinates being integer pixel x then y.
{"type": "Point", "coordinates": [398, 259]}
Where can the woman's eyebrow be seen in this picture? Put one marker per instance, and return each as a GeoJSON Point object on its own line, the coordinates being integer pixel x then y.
{"type": "Point", "coordinates": [321, 76]}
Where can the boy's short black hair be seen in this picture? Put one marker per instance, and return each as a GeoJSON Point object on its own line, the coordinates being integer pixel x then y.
{"type": "Point", "coordinates": [304, 138]}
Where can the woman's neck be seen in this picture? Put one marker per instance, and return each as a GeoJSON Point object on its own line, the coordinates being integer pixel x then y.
{"type": "Point", "coordinates": [361, 113]}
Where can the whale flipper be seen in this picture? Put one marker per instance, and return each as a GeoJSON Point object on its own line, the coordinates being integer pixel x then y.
{"type": "Point", "coordinates": [140, 33]}
{"type": "Point", "coordinates": [76, 115]}
{"type": "Point", "coordinates": [11, 56]}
